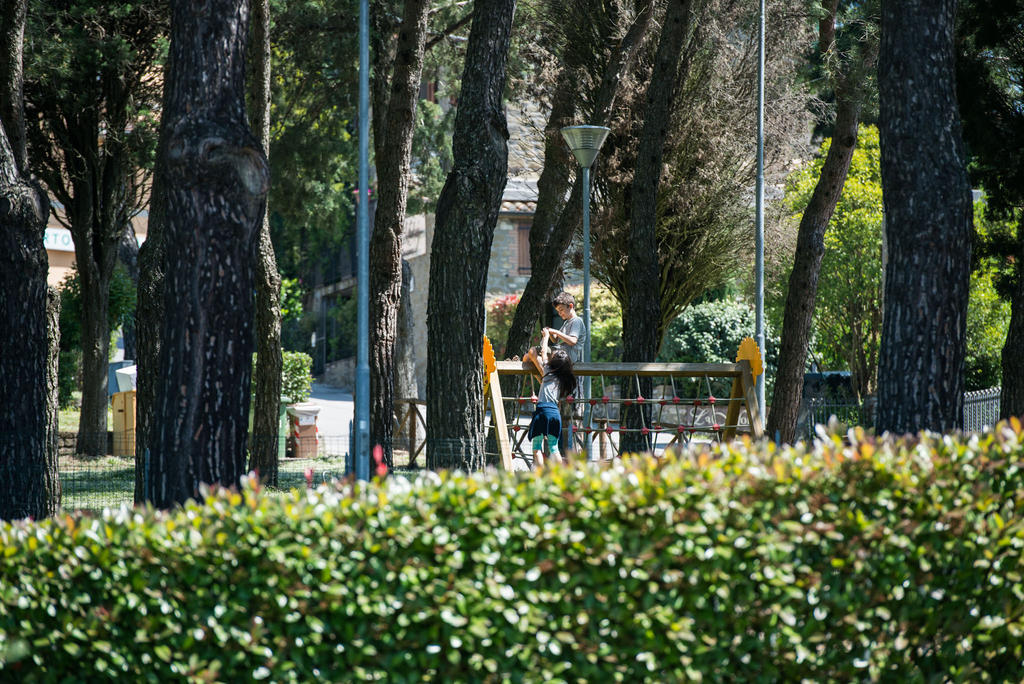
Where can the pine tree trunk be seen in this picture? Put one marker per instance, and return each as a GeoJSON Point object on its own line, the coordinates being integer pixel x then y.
{"type": "Point", "coordinates": [803, 280]}
{"type": "Point", "coordinates": [267, 373]}
{"type": "Point", "coordinates": [1012, 402]}
{"type": "Point", "coordinates": [405, 358]}
{"type": "Point", "coordinates": [149, 316]}
{"type": "Point", "coordinates": [928, 221]}
{"type": "Point", "coordinates": [394, 154]}
{"type": "Point", "coordinates": [50, 468]}
{"type": "Point", "coordinates": [467, 212]}
{"type": "Point", "coordinates": [27, 390]}
{"type": "Point", "coordinates": [216, 183]}
{"type": "Point", "coordinates": [24, 457]}
{"type": "Point", "coordinates": [95, 260]}
{"type": "Point", "coordinates": [128, 255]}
{"type": "Point", "coordinates": [642, 314]}
{"type": "Point", "coordinates": [556, 220]}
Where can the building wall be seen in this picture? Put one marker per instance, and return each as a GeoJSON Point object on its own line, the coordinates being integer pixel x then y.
{"type": "Point", "coordinates": [503, 274]}
{"type": "Point", "coordinates": [503, 277]}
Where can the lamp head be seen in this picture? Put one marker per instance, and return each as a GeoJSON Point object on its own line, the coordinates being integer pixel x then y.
{"type": "Point", "coordinates": [585, 141]}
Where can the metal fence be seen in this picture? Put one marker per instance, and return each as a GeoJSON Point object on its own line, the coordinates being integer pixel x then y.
{"type": "Point", "coordinates": [981, 410]}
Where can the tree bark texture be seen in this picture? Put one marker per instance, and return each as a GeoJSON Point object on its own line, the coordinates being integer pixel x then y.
{"type": "Point", "coordinates": [393, 156]}
{"type": "Point", "coordinates": [27, 448]}
{"type": "Point", "coordinates": [1012, 401]}
{"type": "Point", "coordinates": [51, 474]}
{"type": "Point", "coordinates": [405, 345]}
{"type": "Point", "coordinates": [12, 78]}
{"type": "Point", "coordinates": [467, 212]}
{"type": "Point", "coordinates": [555, 218]}
{"type": "Point", "coordinates": [810, 248]}
{"type": "Point", "coordinates": [803, 280]}
{"type": "Point", "coordinates": [641, 316]}
{"type": "Point", "coordinates": [405, 359]}
{"type": "Point", "coordinates": [128, 255]}
{"type": "Point", "coordinates": [216, 183]}
{"type": "Point", "coordinates": [928, 221]}
{"type": "Point", "coordinates": [267, 374]}
{"type": "Point", "coordinates": [149, 317]}
{"type": "Point", "coordinates": [95, 278]}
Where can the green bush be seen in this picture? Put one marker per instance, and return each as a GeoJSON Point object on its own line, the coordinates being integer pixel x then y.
{"type": "Point", "coordinates": [850, 560]}
{"type": "Point", "coordinates": [296, 379]}
{"type": "Point", "coordinates": [711, 332]}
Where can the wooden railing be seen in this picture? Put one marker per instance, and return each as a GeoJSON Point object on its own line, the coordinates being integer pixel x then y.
{"type": "Point", "coordinates": [410, 424]}
{"type": "Point", "coordinates": [682, 405]}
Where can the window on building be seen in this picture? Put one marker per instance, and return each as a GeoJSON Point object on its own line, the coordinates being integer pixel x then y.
{"type": "Point", "coordinates": [523, 243]}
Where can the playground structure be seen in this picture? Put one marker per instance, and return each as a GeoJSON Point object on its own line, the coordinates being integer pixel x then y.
{"type": "Point", "coordinates": [685, 402]}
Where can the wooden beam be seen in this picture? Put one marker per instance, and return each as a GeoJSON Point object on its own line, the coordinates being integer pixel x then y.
{"type": "Point", "coordinates": [732, 416]}
{"type": "Point", "coordinates": [750, 394]}
{"type": "Point", "coordinates": [724, 370]}
{"type": "Point", "coordinates": [498, 420]}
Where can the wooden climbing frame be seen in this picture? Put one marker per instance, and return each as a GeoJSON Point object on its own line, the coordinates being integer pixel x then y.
{"type": "Point", "coordinates": [682, 406]}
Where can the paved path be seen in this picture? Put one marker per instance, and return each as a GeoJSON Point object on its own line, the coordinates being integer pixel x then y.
{"type": "Point", "coordinates": [336, 410]}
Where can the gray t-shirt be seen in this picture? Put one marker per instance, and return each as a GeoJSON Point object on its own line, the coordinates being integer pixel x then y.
{"type": "Point", "coordinates": [574, 327]}
{"type": "Point", "coordinates": [548, 389]}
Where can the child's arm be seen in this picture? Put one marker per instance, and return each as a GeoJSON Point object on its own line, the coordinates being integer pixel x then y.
{"type": "Point", "coordinates": [531, 356]}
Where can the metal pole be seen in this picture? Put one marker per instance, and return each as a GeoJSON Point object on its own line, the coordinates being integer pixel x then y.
{"type": "Point", "coordinates": [362, 407]}
{"type": "Point", "coordinates": [759, 239]}
{"type": "Point", "coordinates": [586, 305]}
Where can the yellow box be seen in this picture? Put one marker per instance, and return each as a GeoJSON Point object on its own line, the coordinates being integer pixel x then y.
{"type": "Point", "coordinates": [124, 423]}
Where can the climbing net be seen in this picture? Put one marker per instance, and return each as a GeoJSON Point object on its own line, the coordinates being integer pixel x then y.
{"type": "Point", "coordinates": [632, 407]}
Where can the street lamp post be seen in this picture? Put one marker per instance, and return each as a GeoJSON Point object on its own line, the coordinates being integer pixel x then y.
{"type": "Point", "coordinates": [585, 142]}
{"type": "Point", "coordinates": [361, 455]}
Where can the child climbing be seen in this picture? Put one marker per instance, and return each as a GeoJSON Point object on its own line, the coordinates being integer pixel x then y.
{"type": "Point", "coordinates": [557, 382]}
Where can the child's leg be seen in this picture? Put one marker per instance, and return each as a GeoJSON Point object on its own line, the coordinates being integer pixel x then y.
{"type": "Point", "coordinates": [538, 451]}
{"type": "Point", "coordinates": [556, 457]}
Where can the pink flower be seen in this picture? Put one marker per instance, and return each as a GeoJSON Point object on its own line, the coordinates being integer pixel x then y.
{"type": "Point", "coordinates": [378, 458]}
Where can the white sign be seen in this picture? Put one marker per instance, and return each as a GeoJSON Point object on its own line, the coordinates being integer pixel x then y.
{"type": "Point", "coordinates": [59, 240]}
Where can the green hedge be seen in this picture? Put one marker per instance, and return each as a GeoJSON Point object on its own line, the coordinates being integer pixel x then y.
{"type": "Point", "coordinates": [855, 559]}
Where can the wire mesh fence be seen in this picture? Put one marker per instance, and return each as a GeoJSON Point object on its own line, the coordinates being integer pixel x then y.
{"type": "Point", "coordinates": [92, 484]}
{"type": "Point", "coordinates": [981, 410]}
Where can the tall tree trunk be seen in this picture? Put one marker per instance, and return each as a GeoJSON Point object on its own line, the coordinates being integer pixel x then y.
{"type": "Point", "coordinates": [95, 279]}
{"type": "Point", "coordinates": [149, 316]}
{"type": "Point", "coordinates": [50, 468]}
{"type": "Point", "coordinates": [556, 220]}
{"type": "Point", "coordinates": [27, 390]}
{"type": "Point", "coordinates": [394, 154]}
{"type": "Point", "coordinates": [467, 212]}
{"type": "Point", "coordinates": [1012, 402]}
{"type": "Point", "coordinates": [928, 221]}
{"type": "Point", "coordinates": [405, 356]}
{"type": "Point", "coordinates": [803, 280]}
{"type": "Point", "coordinates": [810, 247]}
{"type": "Point", "coordinates": [216, 183]}
{"type": "Point", "coordinates": [642, 314]}
{"type": "Point", "coordinates": [128, 255]}
{"type": "Point", "coordinates": [267, 373]}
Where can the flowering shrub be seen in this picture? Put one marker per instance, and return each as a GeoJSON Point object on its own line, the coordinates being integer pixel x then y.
{"type": "Point", "coordinates": [853, 559]}
{"type": "Point", "coordinates": [500, 311]}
